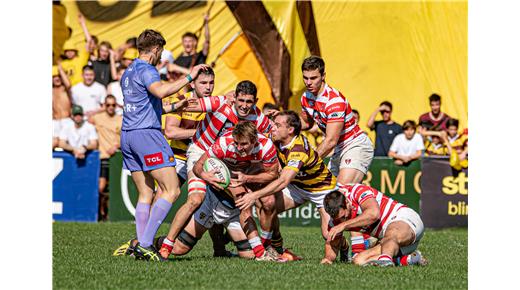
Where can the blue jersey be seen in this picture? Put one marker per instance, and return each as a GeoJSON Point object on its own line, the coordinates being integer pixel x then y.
{"type": "Point", "coordinates": [142, 110]}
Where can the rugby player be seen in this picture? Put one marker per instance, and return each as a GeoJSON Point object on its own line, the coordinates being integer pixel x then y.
{"type": "Point", "coordinates": [146, 153]}
{"type": "Point", "coordinates": [326, 106]}
{"type": "Point", "coordinates": [179, 128]}
{"type": "Point", "coordinates": [361, 208]}
{"type": "Point", "coordinates": [304, 177]}
{"type": "Point", "coordinates": [246, 151]}
{"type": "Point", "coordinates": [221, 116]}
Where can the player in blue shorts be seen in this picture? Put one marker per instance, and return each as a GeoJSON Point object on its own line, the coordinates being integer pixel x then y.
{"type": "Point", "coordinates": [146, 154]}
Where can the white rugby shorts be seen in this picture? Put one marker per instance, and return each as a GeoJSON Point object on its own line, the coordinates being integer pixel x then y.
{"type": "Point", "coordinates": [410, 217]}
{"type": "Point", "coordinates": [212, 211]}
{"type": "Point", "coordinates": [356, 153]}
{"type": "Point", "coordinates": [300, 196]}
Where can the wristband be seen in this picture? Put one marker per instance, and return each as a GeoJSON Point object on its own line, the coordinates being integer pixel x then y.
{"type": "Point", "coordinates": [189, 78]}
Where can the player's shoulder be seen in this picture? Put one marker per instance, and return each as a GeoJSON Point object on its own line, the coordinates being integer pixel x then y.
{"type": "Point", "coordinates": [332, 93]}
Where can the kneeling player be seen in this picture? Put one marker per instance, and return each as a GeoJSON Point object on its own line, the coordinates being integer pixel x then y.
{"type": "Point", "coordinates": [304, 177]}
{"type": "Point", "coordinates": [361, 208]}
{"type": "Point", "coordinates": [215, 209]}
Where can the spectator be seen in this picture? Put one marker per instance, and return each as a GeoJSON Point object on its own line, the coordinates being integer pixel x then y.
{"type": "Point", "coordinates": [457, 145]}
{"type": "Point", "coordinates": [129, 56]}
{"type": "Point", "coordinates": [108, 125]}
{"type": "Point", "coordinates": [61, 103]}
{"type": "Point", "coordinates": [114, 89]}
{"type": "Point", "coordinates": [406, 146]}
{"type": "Point", "coordinates": [105, 65]}
{"type": "Point", "coordinates": [130, 43]}
{"type": "Point", "coordinates": [162, 67]}
{"type": "Point", "coordinates": [190, 57]}
{"type": "Point", "coordinates": [386, 129]}
{"type": "Point", "coordinates": [75, 59]}
{"type": "Point", "coordinates": [356, 115]}
{"type": "Point", "coordinates": [436, 144]}
{"type": "Point", "coordinates": [79, 137]}
{"type": "Point", "coordinates": [434, 118]}
{"type": "Point", "coordinates": [89, 93]}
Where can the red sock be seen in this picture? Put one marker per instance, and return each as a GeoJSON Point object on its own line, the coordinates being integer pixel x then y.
{"type": "Point", "coordinates": [358, 244]}
{"type": "Point", "coordinates": [401, 261]}
{"type": "Point", "coordinates": [259, 251]}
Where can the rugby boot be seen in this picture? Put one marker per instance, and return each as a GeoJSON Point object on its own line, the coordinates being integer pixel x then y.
{"type": "Point", "coordinates": [147, 254]}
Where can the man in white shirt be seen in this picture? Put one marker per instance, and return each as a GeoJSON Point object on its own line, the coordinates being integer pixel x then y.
{"type": "Point", "coordinates": [114, 89]}
{"type": "Point", "coordinates": [89, 93]}
{"type": "Point", "coordinates": [407, 146]}
{"type": "Point", "coordinates": [79, 136]}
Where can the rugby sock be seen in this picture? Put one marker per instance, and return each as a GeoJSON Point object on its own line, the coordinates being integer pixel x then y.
{"type": "Point", "coordinates": [158, 213]}
{"type": "Point", "coordinates": [266, 238]}
{"type": "Point", "coordinates": [142, 212]}
{"type": "Point", "coordinates": [358, 244]}
{"type": "Point", "coordinates": [385, 257]}
{"type": "Point", "coordinates": [401, 261]}
{"type": "Point", "coordinates": [257, 246]}
{"type": "Point", "coordinates": [167, 244]}
{"type": "Point", "coordinates": [277, 243]}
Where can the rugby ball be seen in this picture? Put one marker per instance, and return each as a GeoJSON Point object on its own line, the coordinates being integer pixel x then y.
{"type": "Point", "coordinates": [222, 170]}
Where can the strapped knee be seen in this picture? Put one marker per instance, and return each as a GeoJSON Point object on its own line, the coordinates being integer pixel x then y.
{"type": "Point", "coordinates": [243, 245]}
{"type": "Point", "coordinates": [187, 239]}
{"type": "Point", "coordinates": [196, 185]}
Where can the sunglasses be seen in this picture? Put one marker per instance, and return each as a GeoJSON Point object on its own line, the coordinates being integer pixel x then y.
{"type": "Point", "coordinates": [110, 105]}
{"type": "Point", "coordinates": [385, 111]}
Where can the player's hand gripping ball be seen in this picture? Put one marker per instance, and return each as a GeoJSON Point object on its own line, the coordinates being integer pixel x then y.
{"type": "Point", "coordinates": [222, 172]}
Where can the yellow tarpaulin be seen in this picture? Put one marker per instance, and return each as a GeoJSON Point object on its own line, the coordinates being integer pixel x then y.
{"type": "Point", "coordinates": [396, 51]}
{"type": "Point", "coordinates": [239, 56]}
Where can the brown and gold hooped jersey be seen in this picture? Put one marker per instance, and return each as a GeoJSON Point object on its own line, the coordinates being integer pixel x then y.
{"type": "Point", "coordinates": [312, 173]}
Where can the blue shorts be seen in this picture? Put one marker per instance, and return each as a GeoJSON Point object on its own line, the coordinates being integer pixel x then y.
{"type": "Point", "coordinates": [145, 150]}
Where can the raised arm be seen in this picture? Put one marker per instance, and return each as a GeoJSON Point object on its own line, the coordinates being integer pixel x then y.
{"type": "Point", "coordinates": [83, 24]}
{"type": "Point", "coordinates": [113, 70]}
{"type": "Point", "coordinates": [64, 78]}
{"type": "Point", "coordinates": [162, 90]}
{"type": "Point", "coordinates": [205, 46]}
{"type": "Point", "coordinates": [372, 118]}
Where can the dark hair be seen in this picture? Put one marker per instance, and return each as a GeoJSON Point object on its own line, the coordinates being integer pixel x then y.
{"type": "Point", "coordinates": [111, 97]}
{"type": "Point", "coordinates": [246, 88]}
{"type": "Point", "coordinates": [149, 39]}
{"type": "Point", "coordinates": [312, 63]}
{"type": "Point", "coordinates": [387, 103]}
{"type": "Point", "coordinates": [190, 34]}
{"type": "Point", "coordinates": [293, 120]}
{"type": "Point", "coordinates": [452, 122]}
{"type": "Point", "coordinates": [270, 106]}
{"type": "Point", "coordinates": [95, 39]}
{"type": "Point", "coordinates": [355, 112]}
{"type": "Point", "coordinates": [120, 68]}
{"type": "Point", "coordinates": [87, 67]}
{"type": "Point", "coordinates": [106, 43]}
{"type": "Point", "coordinates": [208, 71]}
{"type": "Point", "coordinates": [245, 129]}
{"type": "Point", "coordinates": [435, 98]}
{"type": "Point", "coordinates": [408, 124]}
{"type": "Point", "coordinates": [333, 202]}
{"type": "Point", "coordinates": [132, 41]}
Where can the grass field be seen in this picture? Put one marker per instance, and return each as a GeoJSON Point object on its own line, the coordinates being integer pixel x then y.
{"type": "Point", "coordinates": [82, 259]}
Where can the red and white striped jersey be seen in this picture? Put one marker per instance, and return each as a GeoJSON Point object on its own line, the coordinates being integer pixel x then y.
{"type": "Point", "coordinates": [263, 154]}
{"type": "Point", "coordinates": [331, 106]}
{"type": "Point", "coordinates": [221, 117]}
{"type": "Point", "coordinates": [359, 193]}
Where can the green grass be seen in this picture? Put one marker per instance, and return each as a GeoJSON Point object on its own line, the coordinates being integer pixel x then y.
{"type": "Point", "coordinates": [82, 258]}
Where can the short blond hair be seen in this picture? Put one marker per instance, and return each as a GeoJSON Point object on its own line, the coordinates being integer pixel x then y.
{"type": "Point", "coordinates": [245, 129]}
